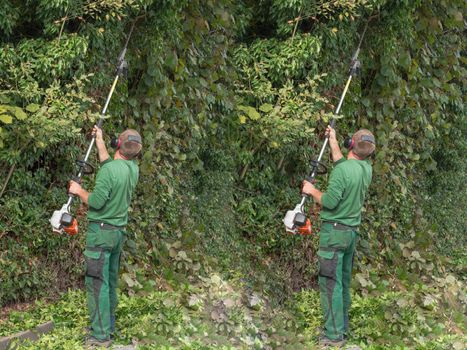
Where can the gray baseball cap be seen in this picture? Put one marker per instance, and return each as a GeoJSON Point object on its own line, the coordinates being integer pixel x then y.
{"type": "Point", "coordinates": [364, 143]}
{"type": "Point", "coordinates": [130, 143]}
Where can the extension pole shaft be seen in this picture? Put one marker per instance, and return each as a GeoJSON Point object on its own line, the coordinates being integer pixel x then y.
{"type": "Point", "coordinates": [354, 66]}
{"type": "Point", "coordinates": [333, 122]}
{"type": "Point", "coordinates": [93, 140]}
{"type": "Point", "coordinates": [101, 119]}
{"type": "Point", "coordinates": [121, 67]}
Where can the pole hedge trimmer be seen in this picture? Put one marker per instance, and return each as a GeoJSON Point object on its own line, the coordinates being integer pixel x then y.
{"type": "Point", "coordinates": [62, 220]}
{"type": "Point", "coordinates": [296, 221]}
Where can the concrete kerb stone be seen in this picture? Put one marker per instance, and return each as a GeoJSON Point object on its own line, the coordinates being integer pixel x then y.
{"type": "Point", "coordinates": [10, 342]}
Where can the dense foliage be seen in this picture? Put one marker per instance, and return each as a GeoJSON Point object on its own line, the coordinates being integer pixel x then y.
{"type": "Point", "coordinates": [232, 98]}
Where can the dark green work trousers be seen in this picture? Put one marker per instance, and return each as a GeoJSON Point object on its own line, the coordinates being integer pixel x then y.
{"type": "Point", "coordinates": [102, 255]}
{"type": "Point", "coordinates": [336, 252]}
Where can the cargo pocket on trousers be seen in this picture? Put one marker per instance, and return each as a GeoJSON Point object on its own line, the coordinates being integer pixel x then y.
{"type": "Point", "coordinates": [327, 264]}
{"type": "Point", "coordinates": [94, 263]}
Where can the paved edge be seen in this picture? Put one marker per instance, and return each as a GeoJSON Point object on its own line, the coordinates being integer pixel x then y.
{"type": "Point", "coordinates": [31, 335]}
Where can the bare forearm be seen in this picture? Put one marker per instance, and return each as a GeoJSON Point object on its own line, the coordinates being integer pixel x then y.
{"type": "Point", "coordinates": [335, 150]}
{"type": "Point", "coordinates": [83, 195]}
{"type": "Point", "coordinates": [316, 194]}
{"type": "Point", "coordinates": [102, 151]}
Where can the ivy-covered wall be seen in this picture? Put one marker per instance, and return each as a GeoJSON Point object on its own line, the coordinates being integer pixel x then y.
{"type": "Point", "coordinates": [232, 98]}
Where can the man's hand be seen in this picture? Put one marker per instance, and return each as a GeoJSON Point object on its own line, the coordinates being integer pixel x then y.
{"type": "Point", "coordinates": [307, 187]}
{"type": "Point", "coordinates": [100, 144]}
{"type": "Point", "coordinates": [331, 133]}
{"type": "Point", "coordinates": [74, 188]}
{"type": "Point", "coordinates": [97, 132]}
{"type": "Point", "coordinates": [310, 190]}
{"type": "Point", "coordinates": [333, 144]}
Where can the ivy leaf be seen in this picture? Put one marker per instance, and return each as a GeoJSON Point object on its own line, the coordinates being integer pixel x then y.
{"type": "Point", "coordinates": [361, 279]}
{"type": "Point", "coordinates": [253, 114]}
{"type": "Point", "coordinates": [6, 118]}
{"type": "Point", "coordinates": [216, 280]}
{"type": "Point", "coordinates": [129, 281]}
{"type": "Point", "coordinates": [266, 107]}
{"type": "Point", "coordinates": [20, 114]}
{"type": "Point", "coordinates": [172, 60]}
{"type": "Point", "coordinates": [405, 60]}
{"type": "Point", "coordinates": [250, 111]}
{"type": "Point", "coordinates": [406, 253]}
{"type": "Point", "coordinates": [194, 302]}
{"type": "Point", "coordinates": [429, 301]}
{"type": "Point", "coordinates": [33, 107]}
{"type": "Point", "coordinates": [255, 302]}
{"type": "Point", "coordinates": [182, 255]}
{"type": "Point", "coordinates": [386, 71]}
{"type": "Point", "coordinates": [172, 252]}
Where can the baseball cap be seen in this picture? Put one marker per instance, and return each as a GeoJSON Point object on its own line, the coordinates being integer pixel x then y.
{"type": "Point", "coordinates": [130, 143]}
{"type": "Point", "coordinates": [364, 143]}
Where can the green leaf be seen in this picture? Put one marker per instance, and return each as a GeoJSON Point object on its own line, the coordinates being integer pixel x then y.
{"type": "Point", "coordinates": [216, 280]}
{"type": "Point", "coordinates": [20, 114]}
{"type": "Point", "coordinates": [172, 60]}
{"type": "Point", "coordinates": [267, 107]}
{"type": "Point", "coordinates": [7, 119]}
{"type": "Point", "coordinates": [182, 255]}
{"type": "Point", "coordinates": [405, 59]}
{"type": "Point", "coordinates": [253, 113]}
{"type": "Point", "coordinates": [33, 107]}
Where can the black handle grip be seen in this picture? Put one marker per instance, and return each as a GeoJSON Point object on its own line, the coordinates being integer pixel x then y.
{"type": "Point", "coordinates": [310, 179]}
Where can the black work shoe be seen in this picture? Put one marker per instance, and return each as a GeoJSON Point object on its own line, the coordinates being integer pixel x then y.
{"type": "Point", "coordinates": [94, 343]}
{"type": "Point", "coordinates": [325, 342]}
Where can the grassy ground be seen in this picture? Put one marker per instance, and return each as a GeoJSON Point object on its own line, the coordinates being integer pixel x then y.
{"type": "Point", "coordinates": [219, 314]}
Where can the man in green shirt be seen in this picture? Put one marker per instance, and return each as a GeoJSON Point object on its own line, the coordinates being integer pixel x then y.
{"type": "Point", "coordinates": [108, 215]}
{"type": "Point", "coordinates": [341, 215]}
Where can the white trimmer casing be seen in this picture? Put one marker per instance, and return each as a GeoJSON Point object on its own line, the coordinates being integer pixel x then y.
{"type": "Point", "coordinates": [289, 218]}
{"type": "Point", "coordinates": [56, 218]}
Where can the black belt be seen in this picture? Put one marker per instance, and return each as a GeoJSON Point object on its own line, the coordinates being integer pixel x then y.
{"type": "Point", "coordinates": [108, 227]}
{"type": "Point", "coordinates": [340, 227]}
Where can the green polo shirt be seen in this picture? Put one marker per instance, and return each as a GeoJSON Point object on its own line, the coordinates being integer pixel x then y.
{"type": "Point", "coordinates": [111, 197]}
{"type": "Point", "coordinates": [343, 200]}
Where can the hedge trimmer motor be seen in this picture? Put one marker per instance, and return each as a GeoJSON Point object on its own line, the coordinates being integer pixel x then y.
{"type": "Point", "coordinates": [63, 221]}
{"type": "Point", "coordinates": [296, 222]}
